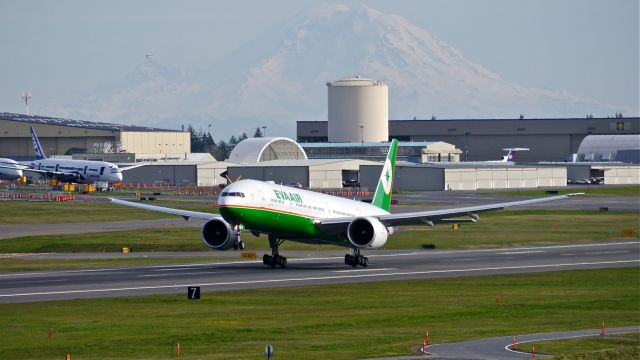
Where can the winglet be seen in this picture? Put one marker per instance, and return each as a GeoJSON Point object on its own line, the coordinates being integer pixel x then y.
{"type": "Point", "coordinates": [36, 145]}
{"type": "Point", "coordinates": [382, 196]}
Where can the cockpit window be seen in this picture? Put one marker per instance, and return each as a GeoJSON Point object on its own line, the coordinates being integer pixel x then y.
{"type": "Point", "coordinates": [237, 194]}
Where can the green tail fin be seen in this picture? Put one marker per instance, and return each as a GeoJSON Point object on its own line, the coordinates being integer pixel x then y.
{"type": "Point", "coordinates": [382, 196]}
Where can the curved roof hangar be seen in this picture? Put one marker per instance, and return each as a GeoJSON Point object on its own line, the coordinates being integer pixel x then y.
{"type": "Point", "coordinates": [254, 150]}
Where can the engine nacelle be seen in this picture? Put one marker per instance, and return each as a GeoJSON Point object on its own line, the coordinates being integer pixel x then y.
{"type": "Point", "coordinates": [367, 232]}
{"type": "Point", "coordinates": [218, 234]}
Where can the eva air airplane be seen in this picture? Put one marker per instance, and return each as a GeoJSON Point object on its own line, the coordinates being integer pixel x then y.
{"type": "Point", "coordinates": [286, 213]}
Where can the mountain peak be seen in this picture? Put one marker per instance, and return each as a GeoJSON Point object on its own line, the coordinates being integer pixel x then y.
{"type": "Point", "coordinates": [279, 78]}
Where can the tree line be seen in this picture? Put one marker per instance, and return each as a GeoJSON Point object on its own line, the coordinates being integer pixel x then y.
{"type": "Point", "coordinates": [202, 142]}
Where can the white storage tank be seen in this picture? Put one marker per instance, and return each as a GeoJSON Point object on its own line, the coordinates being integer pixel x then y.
{"type": "Point", "coordinates": [358, 110]}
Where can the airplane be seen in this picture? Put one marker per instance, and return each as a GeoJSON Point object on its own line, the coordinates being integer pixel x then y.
{"type": "Point", "coordinates": [77, 171]}
{"type": "Point", "coordinates": [286, 213]}
{"type": "Point", "coordinates": [509, 157]}
{"type": "Point", "coordinates": [9, 169]}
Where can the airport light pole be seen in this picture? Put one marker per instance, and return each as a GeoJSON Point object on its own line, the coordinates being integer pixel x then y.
{"type": "Point", "coordinates": [264, 131]}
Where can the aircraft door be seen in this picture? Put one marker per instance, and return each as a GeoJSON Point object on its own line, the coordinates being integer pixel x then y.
{"type": "Point", "coordinates": [57, 165]}
{"type": "Point", "coordinates": [85, 169]}
{"type": "Point", "coordinates": [102, 170]}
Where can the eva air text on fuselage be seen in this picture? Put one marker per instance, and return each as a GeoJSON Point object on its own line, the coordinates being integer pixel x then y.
{"type": "Point", "coordinates": [282, 195]}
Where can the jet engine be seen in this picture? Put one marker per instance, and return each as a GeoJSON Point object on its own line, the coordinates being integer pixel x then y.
{"type": "Point", "coordinates": [367, 232]}
{"type": "Point", "coordinates": [218, 234]}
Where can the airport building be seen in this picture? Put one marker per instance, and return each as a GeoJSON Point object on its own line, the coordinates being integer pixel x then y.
{"type": "Point", "coordinates": [483, 139]}
{"type": "Point", "coordinates": [89, 140]}
{"type": "Point", "coordinates": [413, 151]}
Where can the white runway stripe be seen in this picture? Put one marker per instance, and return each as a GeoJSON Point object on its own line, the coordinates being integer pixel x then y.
{"type": "Point", "coordinates": [321, 278]}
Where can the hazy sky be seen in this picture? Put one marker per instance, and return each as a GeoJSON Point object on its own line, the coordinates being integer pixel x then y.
{"type": "Point", "coordinates": [589, 48]}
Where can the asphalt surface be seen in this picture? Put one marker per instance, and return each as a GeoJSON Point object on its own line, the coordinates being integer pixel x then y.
{"type": "Point", "coordinates": [310, 269]}
{"type": "Point", "coordinates": [499, 348]}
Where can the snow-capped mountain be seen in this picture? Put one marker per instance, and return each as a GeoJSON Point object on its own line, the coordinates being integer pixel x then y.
{"type": "Point", "coordinates": [279, 78]}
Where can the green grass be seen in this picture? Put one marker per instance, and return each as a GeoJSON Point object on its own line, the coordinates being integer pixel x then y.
{"type": "Point", "coordinates": [521, 228]}
{"type": "Point", "coordinates": [500, 229]}
{"type": "Point", "coordinates": [623, 346]}
{"type": "Point", "coordinates": [37, 212]}
{"type": "Point", "coordinates": [589, 190]}
{"type": "Point", "coordinates": [322, 322]}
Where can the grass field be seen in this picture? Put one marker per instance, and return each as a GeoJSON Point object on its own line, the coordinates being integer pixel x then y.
{"type": "Point", "coordinates": [40, 212]}
{"type": "Point", "coordinates": [589, 190]}
{"type": "Point", "coordinates": [322, 322]}
{"type": "Point", "coordinates": [609, 347]}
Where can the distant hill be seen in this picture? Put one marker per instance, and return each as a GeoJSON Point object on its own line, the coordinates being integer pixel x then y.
{"type": "Point", "coordinates": [279, 78]}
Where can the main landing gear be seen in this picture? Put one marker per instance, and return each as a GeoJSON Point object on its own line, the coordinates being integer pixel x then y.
{"type": "Point", "coordinates": [274, 259]}
{"type": "Point", "coordinates": [356, 259]}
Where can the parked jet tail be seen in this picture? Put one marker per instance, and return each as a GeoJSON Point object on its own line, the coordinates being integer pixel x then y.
{"type": "Point", "coordinates": [382, 196]}
{"type": "Point", "coordinates": [36, 145]}
{"type": "Point", "coordinates": [510, 155]}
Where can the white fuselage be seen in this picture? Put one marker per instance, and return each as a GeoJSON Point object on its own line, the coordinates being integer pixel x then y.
{"type": "Point", "coordinates": [87, 171]}
{"type": "Point", "coordinates": [9, 174]}
{"type": "Point", "coordinates": [294, 201]}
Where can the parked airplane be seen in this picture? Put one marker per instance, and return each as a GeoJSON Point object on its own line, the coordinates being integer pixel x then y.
{"type": "Point", "coordinates": [78, 171]}
{"type": "Point", "coordinates": [9, 169]}
{"type": "Point", "coordinates": [286, 213]}
{"type": "Point", "coordinates": [510, 154]}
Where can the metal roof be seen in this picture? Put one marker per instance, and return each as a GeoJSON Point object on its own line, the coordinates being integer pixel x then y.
{"type": "Point", "coordinates": [365, 144]}
{"type": "Point", "coordinates": [254, 150]}
{"type": "Point", "coordinates": [82, 124]}
{"type": "Point", "coordinates": [356, 81]}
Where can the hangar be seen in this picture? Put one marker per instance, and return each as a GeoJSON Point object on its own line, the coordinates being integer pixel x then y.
{"type": "Point", "coordinates": [93, 140]}
{"type": "Point", "coordinates": [552, 139]}
{"type": "Point", "coordinates": [435, 177]}
{"type": "Point", "coordinates": [414, 151]}
{"type": "Point", "coordinates": [258, 149]}
{"type": "Point", "coordinates": [314, 173]}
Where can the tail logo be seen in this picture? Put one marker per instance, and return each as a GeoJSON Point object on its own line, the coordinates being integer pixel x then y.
{"type": "Point", "coordinates": [36, 145]}
{"type": "Point", "coordinates": [387, 176]}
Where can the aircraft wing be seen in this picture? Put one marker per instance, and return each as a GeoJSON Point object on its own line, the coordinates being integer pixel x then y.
{"type": "Point", "coordinates": [431, 217]}
{"type": "Point", "coordinates": [14, 166]}
{"type": "Point", "coordinates": [184, 213]}
{"type": "Point", "coordinates": [131, 167]}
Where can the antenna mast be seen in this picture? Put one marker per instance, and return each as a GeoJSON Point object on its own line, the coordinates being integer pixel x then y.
{"type": "Point", "coordinates": [26, 97]}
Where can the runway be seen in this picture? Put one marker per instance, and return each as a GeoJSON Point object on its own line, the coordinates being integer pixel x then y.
{"type": "Point", "coordinates": [316, 268]}
{"type": "Point", "coordinates": [499, 348]}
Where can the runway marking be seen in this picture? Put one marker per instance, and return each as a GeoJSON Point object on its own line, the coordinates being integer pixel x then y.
{"type": "Point", "coordinates": [597, 253]}
{"type": "Point", "coordinates": [318, 258]}
{"type": "Point", "coordinates": [36, 281]}
{"type": "Point", "coordinates": [335, 277]}
{"type": "Point", "coordinates": [594, 334]}
{"type": "Point", "coordinates": [521, 252]}
{"type": "Point", "coordinates": [180, 274]}
{"type": "Point", "coordinates": [361, 270]}
{"type": "Point", "coordinates": [467, 259]}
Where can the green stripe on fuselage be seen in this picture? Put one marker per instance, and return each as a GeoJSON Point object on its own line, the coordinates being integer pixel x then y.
{"type": "Point", "coordinates": [281, 224]}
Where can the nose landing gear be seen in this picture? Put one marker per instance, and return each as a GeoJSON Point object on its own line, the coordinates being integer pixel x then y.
{"type": "Point", "coordinates": [238, 244]}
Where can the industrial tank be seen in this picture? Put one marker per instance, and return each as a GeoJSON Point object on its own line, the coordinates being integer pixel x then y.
{"type": "Point", "coordinates": [358, 110]}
